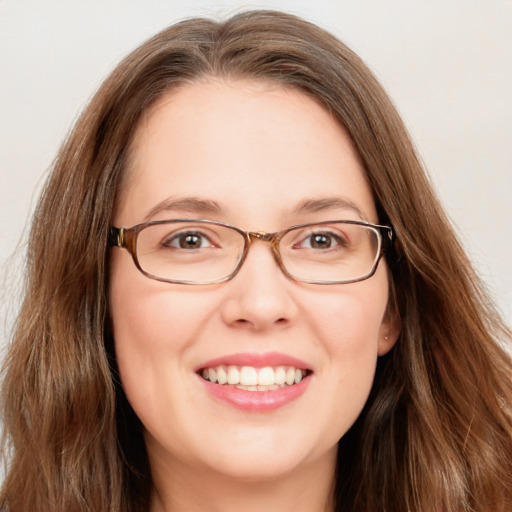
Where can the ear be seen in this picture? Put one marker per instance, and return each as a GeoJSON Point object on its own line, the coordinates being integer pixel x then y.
{"type": "Point", "coordinates": [389, 330]}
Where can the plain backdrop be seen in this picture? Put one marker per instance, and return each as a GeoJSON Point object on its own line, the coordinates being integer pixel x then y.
{"type": "Point", "coordinates": [447, 64]}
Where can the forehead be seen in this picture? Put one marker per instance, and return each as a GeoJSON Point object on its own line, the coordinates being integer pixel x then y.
{"type": "Point", "coordinates": [256, 149]}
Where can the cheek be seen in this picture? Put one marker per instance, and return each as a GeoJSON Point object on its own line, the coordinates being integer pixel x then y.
{"type": "Point", "coordinates": [348, 326]}
{"type": "Point", "coordinates": [351, 344]}
{"type": "Point", "coordinates": [154, 329]}
{"type": "Point", "coordinates": [148, 326]}
{"type": "Point", "coordinates": [149, 316]}
{"type": "Point", "coordinates": [350, 319]}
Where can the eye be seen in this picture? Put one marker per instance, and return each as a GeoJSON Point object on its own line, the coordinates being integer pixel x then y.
{"type": "Point", "coordinates": [320, 241]}
{"type": "Point", "coordinates": [323, 240]}
{"type": "Point", "coordinates": [188, 240]}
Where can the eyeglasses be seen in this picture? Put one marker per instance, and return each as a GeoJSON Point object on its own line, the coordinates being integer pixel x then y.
{"type": "Point", "coordinates": [199, 251]}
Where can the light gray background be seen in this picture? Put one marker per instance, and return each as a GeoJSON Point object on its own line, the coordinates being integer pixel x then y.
{"type": "Point", "coordinates": [446, 63]}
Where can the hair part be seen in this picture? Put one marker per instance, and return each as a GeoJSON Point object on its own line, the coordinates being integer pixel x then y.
{"type": "Point", "coordinates": [436, 432]}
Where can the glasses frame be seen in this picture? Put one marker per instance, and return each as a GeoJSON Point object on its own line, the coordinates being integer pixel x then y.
{"type": "Point", "coordinates": [126, 238]}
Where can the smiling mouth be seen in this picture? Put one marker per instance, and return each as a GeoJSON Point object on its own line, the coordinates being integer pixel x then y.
{"type": "Point", "coordinates": [249, 378]}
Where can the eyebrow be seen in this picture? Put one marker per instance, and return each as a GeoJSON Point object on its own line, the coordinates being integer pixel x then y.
{"type": "Point", "coordinates": [197, 205]}
{"type": "Point", "coordinates": [328, 203]}
{"type": "Point", "coordinates": [185, 204]}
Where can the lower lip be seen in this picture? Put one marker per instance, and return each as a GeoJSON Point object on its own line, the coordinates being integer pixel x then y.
{"type": "Point", "coordinates": [256, 401]}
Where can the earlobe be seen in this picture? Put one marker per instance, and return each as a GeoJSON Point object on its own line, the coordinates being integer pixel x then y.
{"type": "Point", "coordinates": [389, 331]}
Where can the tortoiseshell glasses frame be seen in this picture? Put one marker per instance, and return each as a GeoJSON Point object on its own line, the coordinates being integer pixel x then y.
{"type": "Point", "coordinates": [167, 251]}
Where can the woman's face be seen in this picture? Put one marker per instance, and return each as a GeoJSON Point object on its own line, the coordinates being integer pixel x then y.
{"type": "Point", "coordinates": [259, 157]}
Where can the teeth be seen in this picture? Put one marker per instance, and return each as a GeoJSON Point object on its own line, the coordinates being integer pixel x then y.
{"type": "Point", "coordinates": [290, 376]}
{"type": "Point", "coordinates": [248, 376]}
{"type": "Point", "coordinates": [280, 376]}
{"type": "Point", "coordinates": [222, 376]}
{"type": "Point", "coordinates": [233, 375]}
{"type": "Point", "coordinates": [254, 379]}
{"type": "Point", "coordinates": [266, 376]}
{"type": "Point", "coordinates": [259, 388]}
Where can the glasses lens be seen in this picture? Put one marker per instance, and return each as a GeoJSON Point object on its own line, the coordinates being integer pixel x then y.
{"type": "Point", "coordinates": [189, 251]}
{"type": "Point", "coordinates": [331, 252]}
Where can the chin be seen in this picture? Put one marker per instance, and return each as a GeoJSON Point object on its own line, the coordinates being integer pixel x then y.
{"type": "Point", "coordinates": [260, 458]}
{"type": "Point", "coordinates": [272, 468]}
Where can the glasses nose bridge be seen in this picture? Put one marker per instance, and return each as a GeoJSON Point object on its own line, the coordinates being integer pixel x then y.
{"type": "Point", "coordinates": [263, 236]}
{"type": "Point", "coordinates": [270, 238]}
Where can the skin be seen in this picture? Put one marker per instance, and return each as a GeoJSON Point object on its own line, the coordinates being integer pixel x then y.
{"type": "Point", "coordinates": [257, 150]}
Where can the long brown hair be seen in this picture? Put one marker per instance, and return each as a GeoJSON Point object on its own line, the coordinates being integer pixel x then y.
{"type": "Point", "coordinates": [436, 432]}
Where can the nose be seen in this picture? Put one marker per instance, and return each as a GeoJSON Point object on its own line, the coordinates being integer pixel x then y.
{"type": "Point", "coordinates": [260, 296]}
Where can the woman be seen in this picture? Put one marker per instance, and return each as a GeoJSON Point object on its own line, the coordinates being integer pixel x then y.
{"type": "Point", "coordinates": [170, 355]}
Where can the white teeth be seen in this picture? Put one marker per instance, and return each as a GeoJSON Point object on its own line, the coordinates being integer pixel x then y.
{"type": "Point", "coordinates": [254, 379]}
{"type": "Point", "coordinates": [222, 376]}
{"type": "Point", "coordinates": [259, 388]}
{"type": "Point", "coordinates": [266, 376]}
{"type": "Point", "coordinates": [233, 375]}
{"type": "Point", "coordinates": [280, 375]}
{"type": "Point", "coordinates": [248, 376]}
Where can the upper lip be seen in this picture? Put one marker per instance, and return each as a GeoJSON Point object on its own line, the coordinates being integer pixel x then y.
{"type": "Point", "coordinates": [256, 360]}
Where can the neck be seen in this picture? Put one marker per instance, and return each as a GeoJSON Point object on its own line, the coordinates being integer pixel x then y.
{"type": "Point", "coordinates": [308, 489]}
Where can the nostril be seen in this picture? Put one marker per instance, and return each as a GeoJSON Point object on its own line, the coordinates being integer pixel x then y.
{"type": "Point", "coordinates": [244, 321]}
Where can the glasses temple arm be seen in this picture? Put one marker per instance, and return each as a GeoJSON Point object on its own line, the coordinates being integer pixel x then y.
{"type": "Point", "coordinates": [116, 237]}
